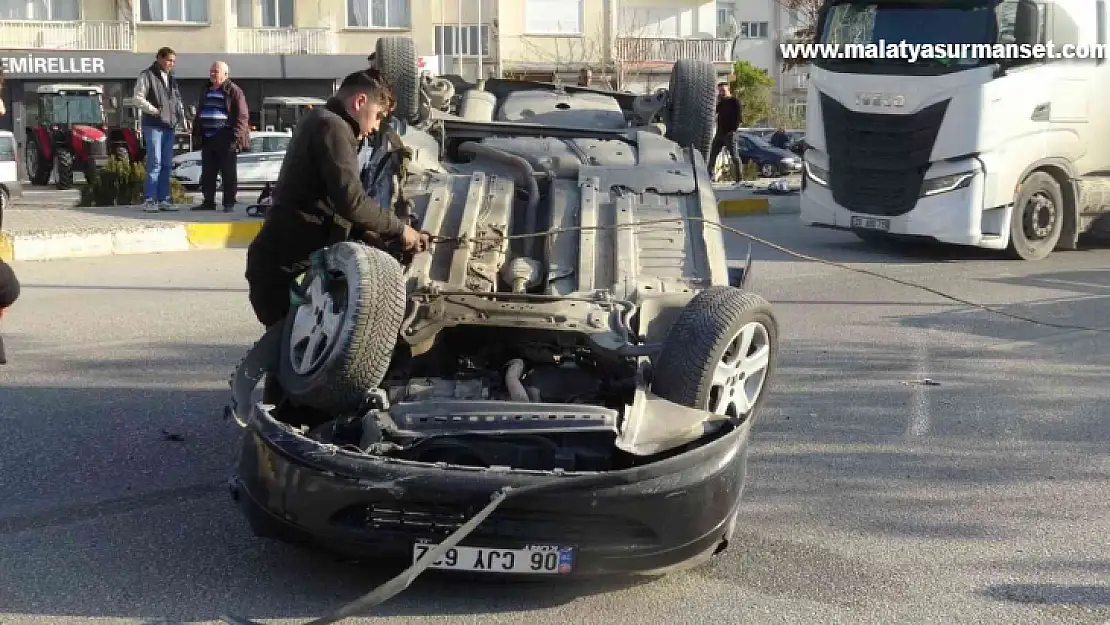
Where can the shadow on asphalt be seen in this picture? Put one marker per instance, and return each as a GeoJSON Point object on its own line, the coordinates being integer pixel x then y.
{"type": "Point", "coordinates": [841, 444]}
{"type": "Point", "coordinates": [1051, 594]}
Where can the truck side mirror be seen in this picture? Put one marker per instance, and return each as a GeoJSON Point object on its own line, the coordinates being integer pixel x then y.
{"type": "Point", "coordinates": [1027, 23]}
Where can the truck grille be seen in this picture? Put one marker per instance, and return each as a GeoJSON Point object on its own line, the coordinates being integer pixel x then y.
{"type": "Point", "coordinates": [98, 148]}
{"type": "Point", "coordinates": [431, 520]}
{"type": "Point", "coordinates": [878, 162]}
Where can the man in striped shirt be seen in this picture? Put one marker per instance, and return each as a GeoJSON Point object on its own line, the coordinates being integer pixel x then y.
{"type": "Point", "coordinates": [221, 129]}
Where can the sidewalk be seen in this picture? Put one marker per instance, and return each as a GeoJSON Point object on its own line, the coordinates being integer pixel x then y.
{"type": "Point", "coordinates": [47, 233]}
{"type": "Point", "coordinates": [45, 225]}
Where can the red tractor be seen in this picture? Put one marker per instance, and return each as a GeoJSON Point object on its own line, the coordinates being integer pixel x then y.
{"type": "Point", "coordinates": [70, 134]}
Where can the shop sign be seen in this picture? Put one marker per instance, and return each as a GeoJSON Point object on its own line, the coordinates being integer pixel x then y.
{"type": "Point", "coordinates": [46, 65]}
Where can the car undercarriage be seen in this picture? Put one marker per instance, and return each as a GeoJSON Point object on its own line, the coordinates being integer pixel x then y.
{"type": "Point", "coordinates": [574, 315]}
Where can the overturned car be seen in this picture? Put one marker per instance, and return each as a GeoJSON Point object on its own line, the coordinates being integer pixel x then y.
{"type": "Point", "coordinates": [575, 316]}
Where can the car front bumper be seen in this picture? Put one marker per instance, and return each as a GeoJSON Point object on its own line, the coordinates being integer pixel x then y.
{"type": "Point", "coordinates": [662, 516]}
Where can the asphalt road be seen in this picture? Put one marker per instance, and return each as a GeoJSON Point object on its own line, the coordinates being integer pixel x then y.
{"type": "Point", "coordinates": [874, 498]}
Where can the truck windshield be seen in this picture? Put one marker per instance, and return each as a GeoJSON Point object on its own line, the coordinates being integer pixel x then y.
{"type": "Point", "coordinates": [940, 38]}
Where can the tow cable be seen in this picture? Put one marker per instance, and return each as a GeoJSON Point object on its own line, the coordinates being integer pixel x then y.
{"type": "Point", "coordinates": [396, 585]}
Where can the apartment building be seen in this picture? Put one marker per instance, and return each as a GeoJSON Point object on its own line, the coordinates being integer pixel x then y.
{"type": "Point", "coordinates": [302, 47]}
{"type": "Point", "coordinates": [758, 27]}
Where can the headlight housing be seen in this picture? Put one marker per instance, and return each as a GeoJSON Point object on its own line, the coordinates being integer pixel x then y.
{"type": "Point", "coordinates": [817, 174]}
{"type": "Point", "coordinates": [944, 184]}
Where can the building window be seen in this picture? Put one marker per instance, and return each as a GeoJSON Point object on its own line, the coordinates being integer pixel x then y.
{"type": "Point", "coordinates": [753, 30]}
{"type": "Point", "coordinates": [189, 11]}
{"type": "Point", "coordinates": [277, 13]}
{"type": "Point", "coordinates": [553, 17]}
{"type": "Point", "coordinates": [44, 10]}
{"type": "Point", "coordinates": [378, 13]}
{"type": "Point", "coordinates": [456, 41]}
{"type": "Point", "coordinates": [725, 12]}
{"type": "Point", "coordinates": [244, 13]}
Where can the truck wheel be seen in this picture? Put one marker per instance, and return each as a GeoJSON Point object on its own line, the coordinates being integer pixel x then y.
{"type": "Point", "coordinates": [38, 167]}
{"type": "Point", "coordinates": [692, 113]}
{"type": "Point", "coordinates": [1038, 217]}
{"type": "Point", "coordinates": [337, 344]}
{"type": "Point", "coordinates": [720, 353]}
{"type": "Point", "coordinates": [396, 59]}
{"type": "Point", "coordinates": [66, 161]}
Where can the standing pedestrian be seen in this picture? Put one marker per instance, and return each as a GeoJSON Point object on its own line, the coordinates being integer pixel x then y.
{"type": "Point", "coordinates": [729, 114]}
{"type": "Point", "coordinates": [159, 98]}
{"type": "Point", "coordinates": [221, 128]}
{"type": "Point", "coordinates": [9, 292]}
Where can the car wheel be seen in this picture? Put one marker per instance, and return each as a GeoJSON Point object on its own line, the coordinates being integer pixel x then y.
{"type": "Point", "coordinates": [338, 340]}
{"type": "Point", "coordinates": [692, 113]}
{"type": "Point", "coordinates": [1038, 217]}
{"type": "Point", "coordinates": [5, 203]}
{"type": "Point", "coordinates": [720, 353]}
{"type": "Point", "coordinates": [396, 59]}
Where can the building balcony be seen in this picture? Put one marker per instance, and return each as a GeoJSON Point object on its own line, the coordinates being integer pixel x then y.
{"type": "Point", "coordinates": [652, 50]}
{"type": "Point", "coordinates": [795, 79]}
{"type": "Point", "coordinates": [285, 41]}
{"type": "Point", "coordinates": [48, 35]}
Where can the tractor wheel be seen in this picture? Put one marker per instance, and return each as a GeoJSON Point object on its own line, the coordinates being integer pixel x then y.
{"type": "Point", "coordinates": [66, 161]}
{"type": "Point", "coordinates": [38, 167]}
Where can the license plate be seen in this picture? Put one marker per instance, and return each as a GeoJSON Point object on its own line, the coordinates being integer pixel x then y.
{"type": "Point", "coordinates": [871, 223]}
{"type": "Point", "coordinates": [534, 559]}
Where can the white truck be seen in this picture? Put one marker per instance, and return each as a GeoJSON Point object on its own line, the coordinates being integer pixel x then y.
{"type": "Point", "coordinates": [998, 153]}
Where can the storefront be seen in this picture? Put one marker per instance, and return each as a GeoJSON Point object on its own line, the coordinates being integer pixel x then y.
{"type": "Point", "coordinates": [259, 76]}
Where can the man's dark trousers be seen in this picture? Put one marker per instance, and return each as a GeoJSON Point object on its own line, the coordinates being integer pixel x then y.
{"type": "Point", "coordinates": [724, 140]}
{"type": "Point", "coordinates": [218, 156]}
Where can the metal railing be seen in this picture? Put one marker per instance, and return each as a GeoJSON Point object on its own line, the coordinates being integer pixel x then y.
{"type": "Point", "coordinates": [85, 35]}
{"type": "Point", "coordinates": [663, 49]}
{"type": "Point", "coordinates": [285, 41]}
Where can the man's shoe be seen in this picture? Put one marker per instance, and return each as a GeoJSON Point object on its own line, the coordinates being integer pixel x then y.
{"type": "Point", "coordinates": [205, 206]}
{"type": "Point", "coordinates": [228, 208]}
{"type": "Point", "coordinates": [166, 207]}
{"type": "Point", "coordinates": [150, 206]}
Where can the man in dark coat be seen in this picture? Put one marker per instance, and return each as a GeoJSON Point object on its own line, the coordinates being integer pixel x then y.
{"type": "Point", "coordinates": [729, 114]}
{"type": "Point", "coordinates": [9, 292]}
{"type": "Point", "coordinates": [319, 197]}
{"type": "Point", "coordinates": [222, 129]}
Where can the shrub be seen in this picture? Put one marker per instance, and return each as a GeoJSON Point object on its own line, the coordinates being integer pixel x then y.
{"type": "Point", "coordinates": [120, 183]}
{"type": "Point", "coordinates": [751, 170]}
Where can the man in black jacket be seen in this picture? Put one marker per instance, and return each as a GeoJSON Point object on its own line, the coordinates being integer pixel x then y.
{"type": "Point", "coordinates": [9, 292]}
{"type": "Point", "coordinates": [729, 114]}
{"type": "Point", "coordinates": [221, 128]}
{"type": "Point", "coordinates": [319, 197]}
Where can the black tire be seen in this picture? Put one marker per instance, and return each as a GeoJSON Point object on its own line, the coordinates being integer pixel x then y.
{"type": "Point", "coordinates": [396, 59]}
{"type": "Point", "coordinates": [369, 287]}
{"type": "Point", "coordinates": [66, 161]}
{"type": "Point", "coordinates": [704, 331]}
{"type": "Point", "coordinates": [692, 113]}
{"type": "Point", "coordinates": [1038, 217]}
{"type": "Point", "coordinates": [38, 168]}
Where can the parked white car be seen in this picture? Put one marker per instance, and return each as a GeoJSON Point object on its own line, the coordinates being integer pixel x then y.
{"type": "Point", "coordinates": [258, 166]}
{"type": "Point", "coordinates": [10, 186]}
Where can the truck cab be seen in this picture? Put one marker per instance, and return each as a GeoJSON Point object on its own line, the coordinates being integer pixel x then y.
{"type": "Point", "coordinates": [954, 122]}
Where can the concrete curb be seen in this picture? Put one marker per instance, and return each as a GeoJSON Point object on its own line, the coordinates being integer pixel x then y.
{"type": "Point", "coordinates": [180, 237]}
{"type": "Point", "coordinates": [759, 205]}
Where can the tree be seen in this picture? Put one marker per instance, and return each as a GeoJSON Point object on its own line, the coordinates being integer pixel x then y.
{"type": "Point", "coordinates": [807, 12]}
{"type": "Point", "coordinates": [752, 85]}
